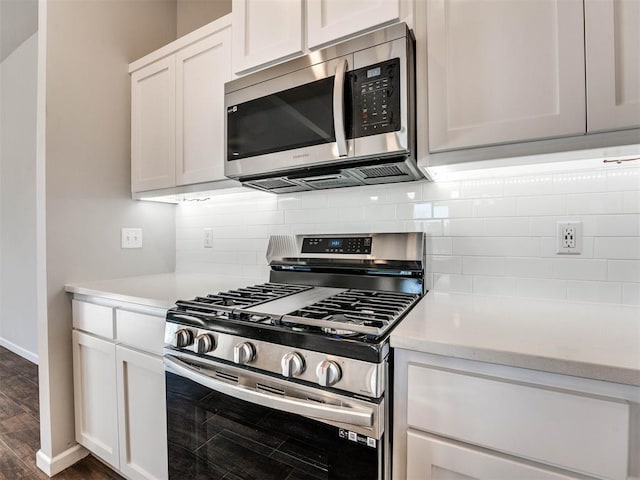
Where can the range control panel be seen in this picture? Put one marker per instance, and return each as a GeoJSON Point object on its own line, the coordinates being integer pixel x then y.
{"type": "Point", "coordinates": [376, 95]}
{"type": "Point", "coordinates": [346, 245]}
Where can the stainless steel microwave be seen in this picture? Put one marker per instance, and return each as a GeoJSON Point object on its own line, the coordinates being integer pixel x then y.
{"type": "Point", "coordinates": [341, 116]}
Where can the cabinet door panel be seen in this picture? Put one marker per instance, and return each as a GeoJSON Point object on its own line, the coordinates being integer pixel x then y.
{"type": "Point", "coordinates": [201, 71]}
{"type": "Point", "coordinates": [265, 31]}
{"type": "Point", "coordinates": [330, 20]}
{"type": "Point", "coordinates": [153, 119]}
{"type": "Point", "coordinates": [141, 415]}
{"type": "Point", "coordinates": [429, 458]}
{"type": "Point", "coordinates": [94, 378]}
{"type": "Point", "coordinates": [501, 72]}
{"type": "Point", "coordinates": [613, 64]}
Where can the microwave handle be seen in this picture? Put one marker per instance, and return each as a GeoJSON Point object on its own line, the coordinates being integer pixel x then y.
{"type": "Point", "coordinates": [306, 408]}
{"type": "Point", "coordinates": [338, 107]}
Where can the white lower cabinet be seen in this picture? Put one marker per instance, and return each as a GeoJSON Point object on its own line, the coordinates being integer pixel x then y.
{"type": "Point", "coordinates": [459, 419]}
{"type": "Point", "coordinates": [141, 411]}
{"type": "Point", "coordinates": [430, 458]}
{"type": "Point", "coordinates": [119, 388]}
{"type": "Point", "coordinates": [94, 378]}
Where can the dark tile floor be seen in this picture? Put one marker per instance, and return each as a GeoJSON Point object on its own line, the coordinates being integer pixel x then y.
{"type": "Point", "coordinates": [20, 430]}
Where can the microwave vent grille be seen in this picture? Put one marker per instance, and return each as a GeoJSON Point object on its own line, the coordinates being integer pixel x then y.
{"type": "Point", "coordinates": [272, 183]}
{"type": "Point", "coordinates": [382, 171]}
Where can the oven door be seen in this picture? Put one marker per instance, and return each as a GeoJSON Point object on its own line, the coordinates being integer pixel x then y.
{"type": "Point", "coordinates": [295, 120]}
{"type": "Point", "coordinates": [228, 422]}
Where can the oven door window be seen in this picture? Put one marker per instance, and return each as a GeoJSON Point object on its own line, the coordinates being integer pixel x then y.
{"type": "Point", "coordinates": [294, 118]}
{"type": "Point", "coordinates": [214, 436]}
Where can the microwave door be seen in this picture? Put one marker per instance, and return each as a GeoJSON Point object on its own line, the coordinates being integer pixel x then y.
{"type": "Point", "coordinates": [289, 122]}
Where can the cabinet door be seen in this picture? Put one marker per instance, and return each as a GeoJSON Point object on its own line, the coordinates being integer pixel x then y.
{"type": "Point", "coordinates": [265, 31]}
{"type": "Point", "coordinates": [94, 388]}
{"type": "Point", "coordinates": [141, 415]}
{"type": "Point", "coordinates": [429, 458]}
{"type": "Point", "coordinates": [330, 20]}
{"type": "Point", "coordinates": [501, 71]}
{"type": "Point", "coordinates": [153, 120]}
{"type": "Point", "coordinates": [613, 64]}
{"type": "Point", "coordinates": [201, 71]}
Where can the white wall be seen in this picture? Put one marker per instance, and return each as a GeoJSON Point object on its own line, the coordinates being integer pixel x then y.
{"type": "Point", "coordinates": [85, 146]}
{"type": "Point", "coordinates": [493, 237]}
{"type": "Point", "coordinates": [18, 76]}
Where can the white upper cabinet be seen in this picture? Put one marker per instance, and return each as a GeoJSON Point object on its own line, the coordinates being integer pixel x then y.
{"type": "Point", "coordinates": [502, 71]}
{"type": "Point", "coordinates": [331, 20]}
{"type": "Point", "coordinates": [201, 71]}
{"type": "Point", "coordinates": [265, 31]}
{"type": "Point", "coordinates": [613, 64]}
{"type": "Point", "coordinates": [153, 119]}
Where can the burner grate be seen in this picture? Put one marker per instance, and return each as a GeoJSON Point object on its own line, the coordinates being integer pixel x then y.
{"type": "Point", "coordinates": [241, 297]}
{"type": "Point", "coordinates": [355, 311]}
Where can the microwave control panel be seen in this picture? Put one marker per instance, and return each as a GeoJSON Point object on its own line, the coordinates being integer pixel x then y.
{"type": "Point", "coordinates": [376, 98]}
{"type": "Point", "coordinates": [352, 245]}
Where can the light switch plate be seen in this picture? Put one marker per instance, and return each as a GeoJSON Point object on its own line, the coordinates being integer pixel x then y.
{"type": "Point", "coordinates": [131, 237]}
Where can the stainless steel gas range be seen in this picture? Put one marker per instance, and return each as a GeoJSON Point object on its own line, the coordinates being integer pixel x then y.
{"type": "Point", "coordinates": [290, 379]}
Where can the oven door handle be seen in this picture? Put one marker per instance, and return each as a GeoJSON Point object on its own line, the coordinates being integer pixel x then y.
{"type": "Point", "coordinates": [319, 411]}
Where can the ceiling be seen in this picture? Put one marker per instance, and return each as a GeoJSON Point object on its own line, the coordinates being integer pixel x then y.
{"type": "Point", "coordinates": [18, 21]}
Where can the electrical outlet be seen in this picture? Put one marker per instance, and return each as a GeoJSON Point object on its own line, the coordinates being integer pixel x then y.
{"type": "Point", "coordinates": [131, 237]}
{"type": "Point", "coordinates": [208, 238]}
{"type": "Point", "coordinates": [569, 238]}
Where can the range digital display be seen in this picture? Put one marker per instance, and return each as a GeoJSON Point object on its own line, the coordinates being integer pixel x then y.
{"type": "Point", "coordinates": [346, 245]}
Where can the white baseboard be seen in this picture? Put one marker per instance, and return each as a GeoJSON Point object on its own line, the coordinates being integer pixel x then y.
{"type": "Point", "coordinates": [32, 357]}
{"type": "Point", "coordinates": [53, 466]}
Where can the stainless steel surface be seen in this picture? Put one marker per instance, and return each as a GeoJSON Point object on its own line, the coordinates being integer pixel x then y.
{"type": "Point", "coordinates": [382, 158]}
{"type": "Point", "coordinates": [358, 377]}
{"type": "Point", "coordinates": [284, 249]}
{"type": "Point", "coordinates": [328, 373]}
{"type": "Point", "coordinates": [338, 107]}
{"type": "Point", "coordinates": [294, 302]}
{"type": "Point", "coordinates": [333, 409]}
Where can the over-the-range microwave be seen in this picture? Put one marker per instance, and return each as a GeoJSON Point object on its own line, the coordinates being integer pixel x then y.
{"type": "Point", "coordinates": [337, 117]}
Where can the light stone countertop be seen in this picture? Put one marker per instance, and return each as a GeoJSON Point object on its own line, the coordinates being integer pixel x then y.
{"type": "Point", "coordinates": [159, 291]}
{"type": "Point", "coordinates": [589, 340]}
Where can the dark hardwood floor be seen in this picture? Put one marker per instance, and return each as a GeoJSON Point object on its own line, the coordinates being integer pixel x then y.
{"type": "Point", "coordinates": [20, 430]}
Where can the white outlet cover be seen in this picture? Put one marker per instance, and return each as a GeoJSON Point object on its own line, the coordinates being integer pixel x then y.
{"type": "Point", "coordinates": [131, 237]}
{"type": "Point", "coordinates": [562, 227]}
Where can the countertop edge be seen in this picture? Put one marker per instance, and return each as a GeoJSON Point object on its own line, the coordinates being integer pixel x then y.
{"type": "Point", "coordinates": [522, 360]}
{"type": "Point", "coordinates": [118, 297]}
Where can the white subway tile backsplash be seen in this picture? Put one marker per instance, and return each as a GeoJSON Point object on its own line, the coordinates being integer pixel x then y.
{"type": "Point", "coordinates": [542, 288]}
{"type": "Point", "coordinates": [579, 269]}
{"type": "Point", "coordinates": [495, 285]}
{"type": "Point", "coordinates": [542, 205]}
{"type": "Point", "coordinates": [497, 246]}
{"type": "Point", "coordinates": [495, 207]}
{"type": "Point", "coordinates": [631, 293]}
{"type": "Point", "coordinates": [483, 265]}
{"type": "Point", "coordinates": [533, 185]}
{"type": "Point", "coordinates": [624, 271]}
{"type": "Point", "coordinates": [594, 203]}
{"type": "Point", "coordinates": [630, 202]}
{"type": "Point", "coordinates": [446, 282]}
{"type": "Point", "coordinates": [579, 182]}
{"type": "Point", "coordinates": [623, 179]}
{"type": "Point", "coordinates": [494, 237]}
{"type": "Point", "coordinates": [617, 247]}
{"type": "Point", "coordinates": [444, 264]}
{"type": "Point", "coordinates": [595, 292]}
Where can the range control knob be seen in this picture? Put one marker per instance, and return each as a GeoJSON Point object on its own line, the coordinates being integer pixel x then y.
{"type": "Point", "coordinates": [328, 373]}
{"type": "Point", "coordinates": [292, 364]}
{"type": "Point", "coordinates": [183, 338]}
{"type": "Point", "coordinates": [243, 353]}
{"type": "Point", "coordinates": [205, 343]}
